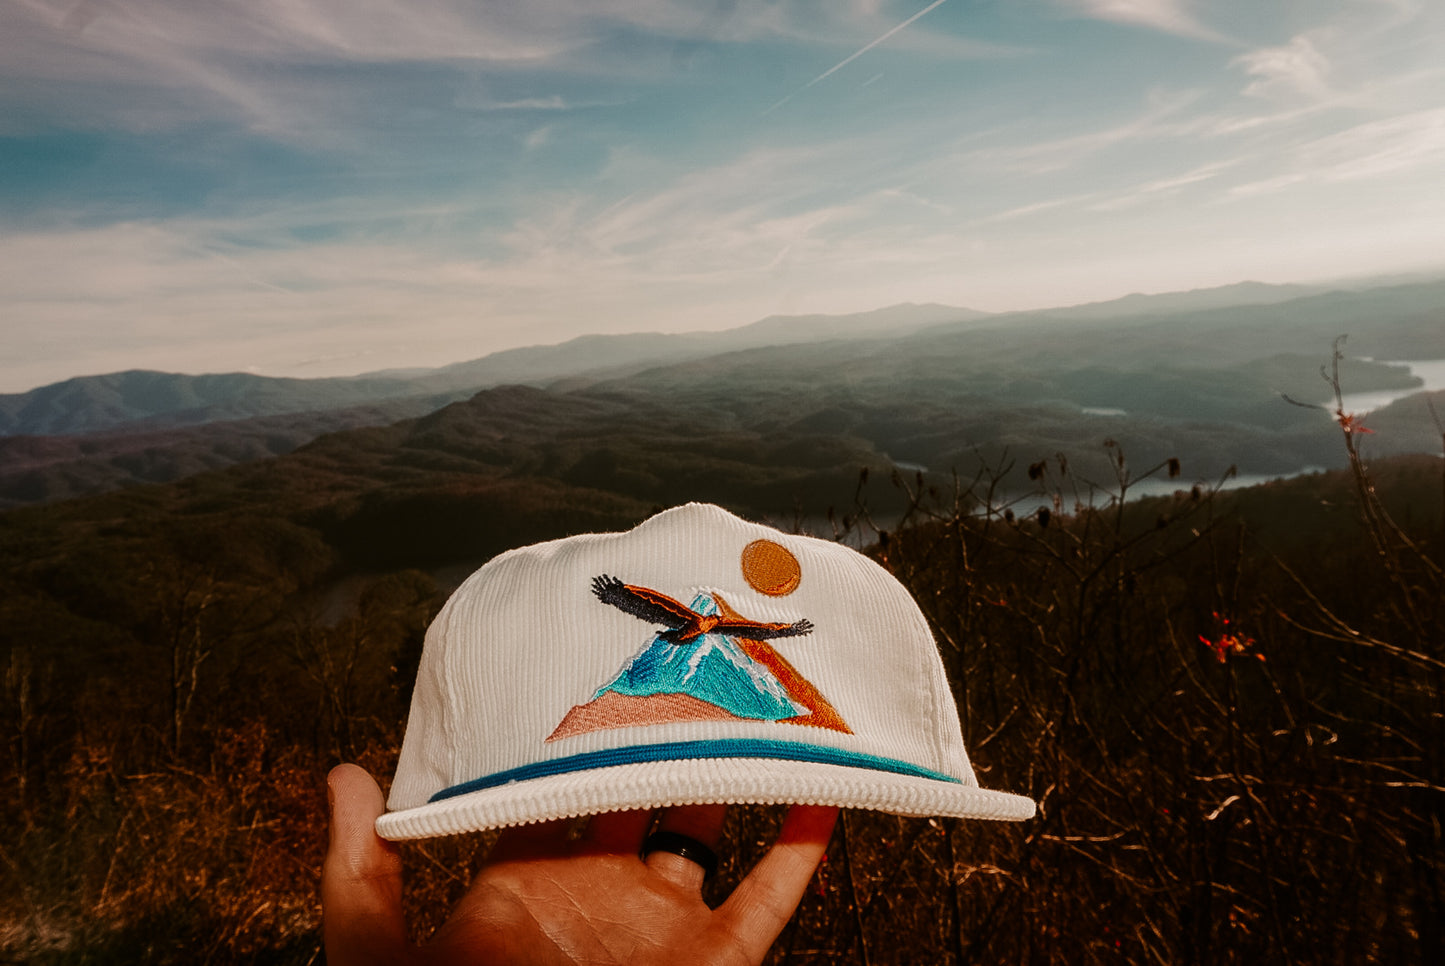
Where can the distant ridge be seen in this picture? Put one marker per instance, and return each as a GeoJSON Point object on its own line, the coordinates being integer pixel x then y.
{"type": "Point", "coordinates": [140, 399]}
{"type": "Point", "coordinates": [893, 320]}
{"type": "Point", "coordinates": [618, 355]}
{"type": "Point", "coordinates": [144, 399]}
{"type": "Point", "coordinates": [1168, 303]}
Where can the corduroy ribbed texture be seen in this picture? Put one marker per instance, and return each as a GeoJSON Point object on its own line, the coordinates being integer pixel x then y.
{"type": "Point", "coordinates": [525, 640]}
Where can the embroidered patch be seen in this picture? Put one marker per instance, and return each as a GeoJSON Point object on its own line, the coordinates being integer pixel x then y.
{"type": "Point", "coordinates": [710, 663]}
{"type": "Point", "coordinates": [770, 568]}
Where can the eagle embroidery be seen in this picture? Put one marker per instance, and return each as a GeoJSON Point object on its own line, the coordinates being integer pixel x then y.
{"type": "Point", "coordinates": [707, 663]}
{"type": "Point", "coordinates": [683, 623]}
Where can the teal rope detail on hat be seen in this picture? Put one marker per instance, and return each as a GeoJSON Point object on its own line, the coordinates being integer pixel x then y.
{"type": "Point", "coordinates": [693, 750]}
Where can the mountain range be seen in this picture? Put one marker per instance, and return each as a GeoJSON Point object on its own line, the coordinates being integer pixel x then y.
{"type": "Point", "coordinates": [785, 400]}
{"type": "Point", "coordinates": [138, 400]}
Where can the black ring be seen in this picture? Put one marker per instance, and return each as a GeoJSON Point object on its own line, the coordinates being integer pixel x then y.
{"type": "Point", "coordinates": [683, 845]}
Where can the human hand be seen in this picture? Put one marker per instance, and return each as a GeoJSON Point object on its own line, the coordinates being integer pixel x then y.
{"type": "Point", "coordinates": [543, 898]}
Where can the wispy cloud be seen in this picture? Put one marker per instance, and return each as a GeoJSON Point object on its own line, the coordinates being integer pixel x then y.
{"type": "Point", "coordinates": [472, 100]}
{"type": "Point", "coordinates": [553, 103]}
{"type": "Point", "coordinates": [1293, 69]}
{"type": "Point", "coordinates": [1033, 208]}
{"type": "Point", "coordinates": [717, 218]}
{"type": "Point", "coordinates": [1373, 150]}
{"type": "Point", "coordinates": [1170, 16]}
{"type": "Point", "coordinates": [1037, 157]}
{"type": "Point", "coordinates": [293, 69]}
{"type": "Point", "coordinates": [280, 67]}
{"type": "Point", "coordinates": [368, 30]}
{"type": "Point", "coordinates": [1160, 188]}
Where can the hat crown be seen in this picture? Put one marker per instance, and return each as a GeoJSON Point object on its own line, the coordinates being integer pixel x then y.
{"type": "Point", "coordinates": [695, 636]}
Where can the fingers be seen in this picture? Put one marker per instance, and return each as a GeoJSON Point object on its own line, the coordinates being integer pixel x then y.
{"type": "Point", "coordinates": [701, 822]}
{"type": "Point", "coordinates": [764, 902]}
{"type": "Point", "coordinates": [361, 917]}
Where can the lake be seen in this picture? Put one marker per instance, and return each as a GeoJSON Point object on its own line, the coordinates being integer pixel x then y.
{"type": "Point", "coordinates": [1432, 371]}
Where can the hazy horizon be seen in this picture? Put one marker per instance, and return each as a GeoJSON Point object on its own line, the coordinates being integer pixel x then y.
{"type": "Point", "coordinates": [310, 188]}
{"type": "Point", "coordinates": [1341, 284]}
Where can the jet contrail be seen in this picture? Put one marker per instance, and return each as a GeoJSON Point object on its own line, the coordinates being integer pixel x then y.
{"type": "Point", "coordinates": [855, 55]}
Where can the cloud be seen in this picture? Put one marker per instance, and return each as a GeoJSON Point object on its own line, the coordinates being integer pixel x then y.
{"type": "Point", "coordinates": [804, 23]}
{"type": "Point", "coordinates": [306, 30]}
{"type": "Point", "coordinates": [1158, 119]}
{"type": "Point", "coordinates": [1378, 148]}
{"type": "Point", "coordinates": [410, 286]}
{"type": "Point", "coordinates": [1169, 16]}
{"type": "Point", "coordinates": [1033, 208]}
{"type": "Point", "coordinates": [554, 103]}
{"type": "Point", "coordinates": [294, 69]}
{"type": "Point", "coordinates": [1373, 150]}
{"type": "Point", "coordinates": [707, 221]}
{"type": "Point", "coordinates": [1158, 188]}
{"type": "Point", "coordinates": [1297, 68]}
{"type": "Point", "coordinates": [1404, 11]}
{"type": "Point", "coordinates": [471, 100]}
{"type": "Point", "coordinates": [705, 247]}
{"type": "Point", "coordinates": [177, 296]}
{"type": "Point", "coordinates": [318, 72]}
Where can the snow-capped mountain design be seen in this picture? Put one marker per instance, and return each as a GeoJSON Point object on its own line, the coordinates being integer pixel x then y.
{"type": "Point", "coordinates": [710, 667]}
{"type": "Point", "coordinates": [709, 664]}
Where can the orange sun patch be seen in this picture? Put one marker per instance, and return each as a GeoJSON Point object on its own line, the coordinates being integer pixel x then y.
{"type": "Point", "coordinates": [770, 568]}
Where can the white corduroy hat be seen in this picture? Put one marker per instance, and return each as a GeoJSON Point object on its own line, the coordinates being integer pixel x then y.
{"type": "Point", "coordinates": [696, 658]}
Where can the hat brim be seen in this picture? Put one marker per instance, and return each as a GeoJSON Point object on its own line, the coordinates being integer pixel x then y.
{"type": "Point", "coordinates": [660, 784]}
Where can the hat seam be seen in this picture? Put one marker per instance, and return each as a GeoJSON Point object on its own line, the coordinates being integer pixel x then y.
{"type": "Point", "coordinates": [450, 711]}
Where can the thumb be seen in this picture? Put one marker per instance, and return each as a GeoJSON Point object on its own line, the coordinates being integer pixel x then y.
{"type": "Point", "coordinates": [763, 903]}
{"type": "Point", "coordinates": [361, 917]}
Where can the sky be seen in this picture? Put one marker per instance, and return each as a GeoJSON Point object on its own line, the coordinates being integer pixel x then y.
{"type": "Point", "coordinates": [325, 187]}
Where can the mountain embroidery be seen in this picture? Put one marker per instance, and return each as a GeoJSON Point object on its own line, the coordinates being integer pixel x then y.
{"type": "Point", "coordinates": [708, 664]}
